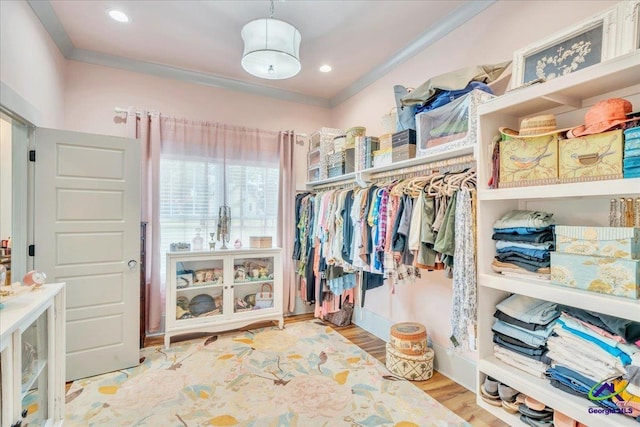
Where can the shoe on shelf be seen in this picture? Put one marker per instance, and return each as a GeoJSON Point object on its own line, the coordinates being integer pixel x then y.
{"type": "Point", "coordinates": [490, 387]}
{"type": "Point", "coordinates": [507, 393]}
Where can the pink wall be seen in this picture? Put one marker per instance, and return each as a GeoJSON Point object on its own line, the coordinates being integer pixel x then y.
{"type": "Point", "coordinates": [31, 63]}
{"type": "Point", "coordinates": [93, 91]}
{"type": "Point", "coordinates": [490, 37]}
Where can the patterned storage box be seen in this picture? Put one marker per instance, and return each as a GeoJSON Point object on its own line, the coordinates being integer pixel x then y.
{"type": "Point", "coordinates": [409, 338]}
{"type": "Point", "coordinates": [529, 161]}
{"type": "Point", "coordinates": [606, 275]}
{"type": "Point", "coordinates": [591, 157]}
{"type": "Point", "coordinates": [615, 242]}
{"type": "Point", "coordinates": [414, 368]}
{"type": "Point", "coordinates": [403, 138]}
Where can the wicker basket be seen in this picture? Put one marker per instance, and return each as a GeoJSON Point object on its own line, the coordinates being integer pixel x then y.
{"type": "Point", "coordinates": [414, 368]}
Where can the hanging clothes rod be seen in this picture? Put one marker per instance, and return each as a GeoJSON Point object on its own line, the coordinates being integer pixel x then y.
{"type": "Point", "coordinates": [458, 163]}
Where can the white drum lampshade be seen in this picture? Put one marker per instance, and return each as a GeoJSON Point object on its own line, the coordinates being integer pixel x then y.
{"type": "Point", "coordinates": [271, 49]}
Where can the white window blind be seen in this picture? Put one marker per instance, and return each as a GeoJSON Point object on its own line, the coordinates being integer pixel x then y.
{"type": "Point", "coordinates": [191, 192]}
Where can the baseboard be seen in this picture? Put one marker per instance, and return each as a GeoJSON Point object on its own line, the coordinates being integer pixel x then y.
{"type": "Point", "coordinates": [449, 364]}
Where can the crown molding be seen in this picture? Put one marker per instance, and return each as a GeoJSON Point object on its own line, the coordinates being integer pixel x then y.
{"type": "Point", "coordinates": [434, 33]}
{"type": "Point", "coordinates": [195, 77]}
{"type": "Point", "coordinates": [44, 11]}
{"type": "Point", "coordinates": [47, 16]}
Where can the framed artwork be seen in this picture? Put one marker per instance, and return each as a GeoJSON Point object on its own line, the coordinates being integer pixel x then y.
{"type": "Point", "coordinates": [578, 47]}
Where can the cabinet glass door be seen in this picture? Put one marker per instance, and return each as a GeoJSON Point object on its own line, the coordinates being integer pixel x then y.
{"type": "Point", "coordinates": [34, 389]}
{"type": "Point", "coordinates": [252, 283]}
{"type": "Point", "coordinates": [199, 289]}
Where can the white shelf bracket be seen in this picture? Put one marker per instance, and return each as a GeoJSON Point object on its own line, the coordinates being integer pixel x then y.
{"type": "Point", "coordinates": [563, 100]}
{"type": "Point", "coordinates": [362, 179]}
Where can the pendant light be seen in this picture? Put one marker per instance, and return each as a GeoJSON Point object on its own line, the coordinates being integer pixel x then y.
{"type": "Point", "coordinates": [271, 48]}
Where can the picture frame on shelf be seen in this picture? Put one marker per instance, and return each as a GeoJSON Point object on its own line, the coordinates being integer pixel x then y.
{"type": "Point", "coordinates": [575, 48]}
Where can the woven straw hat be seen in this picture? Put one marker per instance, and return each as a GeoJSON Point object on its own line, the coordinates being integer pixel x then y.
{"type": "Point", "coordinates": [603, 116]}
{"type": "Point", "coordinates": [534, 126]}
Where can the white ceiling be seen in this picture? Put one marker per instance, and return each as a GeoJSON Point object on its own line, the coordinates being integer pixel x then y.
{"type": "Point", "coordinates": [354, 37]}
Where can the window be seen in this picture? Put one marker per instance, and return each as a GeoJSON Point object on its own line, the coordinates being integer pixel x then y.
{"type": "Point", "coordinates": [191, 193]}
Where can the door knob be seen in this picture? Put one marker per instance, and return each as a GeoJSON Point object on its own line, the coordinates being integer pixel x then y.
{"type": "Point", "coordinates": [132, 264]}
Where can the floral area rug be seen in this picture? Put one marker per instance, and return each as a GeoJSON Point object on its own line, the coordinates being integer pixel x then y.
{"type": "Point", "coordinates": [305, 375]}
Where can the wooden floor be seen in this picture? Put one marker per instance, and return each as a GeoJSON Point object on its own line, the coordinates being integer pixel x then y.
{"type": "Point", "coordinates": [452, 395]}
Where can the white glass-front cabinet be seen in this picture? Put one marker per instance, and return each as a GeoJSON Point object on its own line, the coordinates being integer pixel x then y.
{"type": "Point", "coordinates": [579, 203]}
{"type": "Point", "coordinates": [222, 290]}
{"type": "Point", "coordinates": [32, 360]}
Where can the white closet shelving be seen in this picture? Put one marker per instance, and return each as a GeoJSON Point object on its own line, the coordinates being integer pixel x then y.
{"type": "Point", "coordinates": [365, 175]}
{"type": "Point", "coordinates": [584, 203]}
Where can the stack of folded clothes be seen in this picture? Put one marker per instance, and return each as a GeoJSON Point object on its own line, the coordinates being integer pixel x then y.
{"type": "Point", "coordinates": [523, 241]}
{"type": "Point", "coordinates": [587, 349]}
{"type": "Point", "coordinates": [631, 162]}
{"type": "Point", "coordinates": [521, 330]}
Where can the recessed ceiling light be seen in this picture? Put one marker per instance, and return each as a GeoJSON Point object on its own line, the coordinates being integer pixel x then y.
{"type": "Point", "coordinates": [325, 68]}
{"type": "Point", "coordinates": [118, 15]}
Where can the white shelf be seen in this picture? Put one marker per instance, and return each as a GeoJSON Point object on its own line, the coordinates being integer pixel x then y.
{"type": "Point", "coordinates": [613, 187]}
{"type": "Point", "coordinates": [339, 178]}
{"type": "Point", "coordinates": [33, 376]}
{"type": "Point", "coordinates": [601, 303]}
{"type": "Point", "coordinates": [194, 287]}
{"type": "Point", "coordinates": [445, 155]}
{"type": "Point", "coordinates": [614, 74]}
{"type": "Point", "coordinates": [259, 281]}
{"type": "Point", "coordinates": [513, 420]}
{"type": "Point", "coordinates": [365, 174]}
{"type": "Point", "coordinates": [540, 389]}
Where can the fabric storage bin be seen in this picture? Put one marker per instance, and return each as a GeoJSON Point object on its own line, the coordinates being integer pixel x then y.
{"type": "Point", "coordinates": [530, 161]}
{"type": "Point", "coordinates": [591, 157]}
{"type": "Point", "coordinates": [382, 157]}
{"type": "Point", "coordinates": [414, 368]}
{"type": "Point", "coordinates": [606, 275]}
{"type": "Point", "coordinates": [616, 242]}
{"type": "Point", "coordinates": [409, 338]}
{"type": "Point", "coordinates": [406, 137]}
{"type": "Point", "coordinates": [451, 126]}
{"type": "Point", "coordinates": [341, 162]}
{"type": "Point", "coordinates": [403, 153]}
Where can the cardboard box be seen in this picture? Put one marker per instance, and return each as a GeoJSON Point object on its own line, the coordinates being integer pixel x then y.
{"type": "Point", "coordinates": [403, 153]}
{"type": "Point", "coordinates": [606, 275]}
{"type": "Point", "coordinates": [615, 242]}
{"type": "Point", "coordinates": [591, 158]}
{"type": "Point", "coordinates": [529, 161]}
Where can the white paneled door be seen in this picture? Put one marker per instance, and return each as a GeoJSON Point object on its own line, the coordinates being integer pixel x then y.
{"type": "Point", "coordinates": [87, 234]}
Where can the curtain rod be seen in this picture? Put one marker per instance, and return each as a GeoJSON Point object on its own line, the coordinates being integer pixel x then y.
{"type": "Point", "coordinates": [126, 110]}
{"type": "Point", "coordinates": [120, 110]}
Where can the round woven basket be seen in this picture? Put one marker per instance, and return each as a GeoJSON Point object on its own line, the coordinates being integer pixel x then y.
{"type": "Point", "coordinates": [409, 338]}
